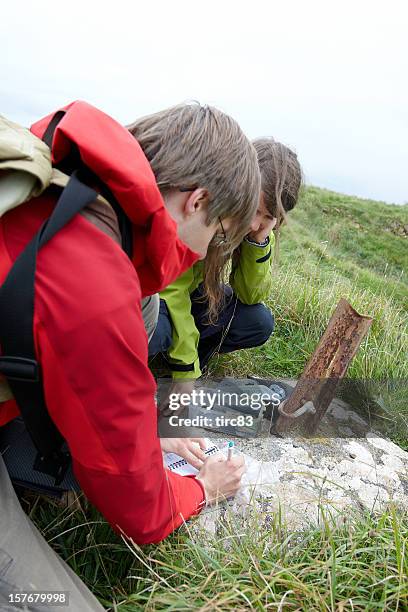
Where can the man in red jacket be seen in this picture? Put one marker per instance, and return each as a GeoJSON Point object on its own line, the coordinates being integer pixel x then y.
{"type": "Point", "coordinates": [179, 175]}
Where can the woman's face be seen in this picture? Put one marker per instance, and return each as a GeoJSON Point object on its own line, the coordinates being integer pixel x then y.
{"type": "Point", "coordinates": [262, 223]}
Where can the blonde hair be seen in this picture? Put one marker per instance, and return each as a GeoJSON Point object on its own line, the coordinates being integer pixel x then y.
{"type": "Point", "coordinates": [190, 145]}
{"type": "Point", "coordinates": [281, 180]}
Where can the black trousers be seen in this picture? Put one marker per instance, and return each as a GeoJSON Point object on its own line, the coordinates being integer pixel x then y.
{"type": "Point", "coordinates": [251, 325]}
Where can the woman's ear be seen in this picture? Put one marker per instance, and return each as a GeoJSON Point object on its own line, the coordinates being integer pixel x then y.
{"type": "Point", "coordinates": [197, 201]}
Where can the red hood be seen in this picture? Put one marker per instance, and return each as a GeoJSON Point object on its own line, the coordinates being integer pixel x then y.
{"type": "Point", "coordinates": [113, 154]}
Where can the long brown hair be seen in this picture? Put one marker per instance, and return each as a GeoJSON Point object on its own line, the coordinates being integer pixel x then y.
{"type": "Point", "coordinates": [281, 179]}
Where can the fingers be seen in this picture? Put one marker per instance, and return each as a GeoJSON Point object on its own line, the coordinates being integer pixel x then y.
{"type": "Point", "coordinates": [237, 472]}
{"type": "Point", "coordinates": [217, 458]}
{"type": "Point", "coordinates": [237, 461]}
{"type": "Point", "coordinates": [241, 471]}
{"type": "Point", "coordinates": [193, 459]}
{"type": "Point", "coordinates": [235, 465]}
{"type": "Point", "coordinates": [191, 451]}
{"type": "Point", "coordinates": [201, 442]}
{"type": "Point", "coordinates": [195, 450]}
{"type": "Point", "coordinates": [221, 477]}
{"type": "Point", "coordinates": [186, 448]}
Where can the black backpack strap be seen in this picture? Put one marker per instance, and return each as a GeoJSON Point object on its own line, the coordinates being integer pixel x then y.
{"type": "Point", "coordinates": [49, 132]}
{"type": "Point", "coordinates": [73, 162]}
{"type": "Point", "coordinates": [18, 362]}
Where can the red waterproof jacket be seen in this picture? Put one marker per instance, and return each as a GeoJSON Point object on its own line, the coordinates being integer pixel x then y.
{"type": "Point", "coordinates": [89, 332]}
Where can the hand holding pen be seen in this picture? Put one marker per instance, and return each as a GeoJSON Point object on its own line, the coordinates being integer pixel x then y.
{"type": "Point", "coordinates": [222, 477]}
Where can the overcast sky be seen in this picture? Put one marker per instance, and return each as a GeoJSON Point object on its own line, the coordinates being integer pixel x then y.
{"type": "Point", "coordinates": [326, 77]}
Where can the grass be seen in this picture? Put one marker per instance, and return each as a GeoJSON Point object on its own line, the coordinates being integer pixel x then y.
{"type": "Point", "coordinates": [335, 246]}
{"type": "Point", "coordinates": [358, 563]}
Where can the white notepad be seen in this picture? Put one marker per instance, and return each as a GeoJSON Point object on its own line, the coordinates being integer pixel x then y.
{"type": "Point", "coordinates": [180, 466]}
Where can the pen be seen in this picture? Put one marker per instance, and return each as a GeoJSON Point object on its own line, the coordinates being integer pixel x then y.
{"type": "Point", "coordinates": [230, 448]}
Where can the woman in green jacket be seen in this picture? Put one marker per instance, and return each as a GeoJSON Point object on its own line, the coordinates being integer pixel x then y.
{"type": "Point", "coordinates": [199, 315]}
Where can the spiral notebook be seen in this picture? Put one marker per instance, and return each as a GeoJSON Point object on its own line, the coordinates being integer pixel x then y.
{"type": "Point", "coordinates": [180, 466]}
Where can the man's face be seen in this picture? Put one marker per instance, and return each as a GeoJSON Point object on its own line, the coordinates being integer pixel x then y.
{"type": "Point", "coordinates": [197, 234]}
{"type": "Point", "coordinates": [189, 210]}
{"type": "Point", "coordinates": [263, 222]}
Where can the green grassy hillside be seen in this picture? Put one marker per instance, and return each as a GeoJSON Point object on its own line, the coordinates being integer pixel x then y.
{"type": "Point", "coordinates": [338, 246]}
{"type": "Point", "coordinates": [363, 241]}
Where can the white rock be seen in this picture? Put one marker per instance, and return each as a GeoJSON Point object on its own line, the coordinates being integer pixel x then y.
{"type": "Point", "coordinates": [362, 453]}
{"type": "Point", "coordinates": [392, 463]}
{"type": "Point", "coordinates": [304, 476]}
{"type": "Point", "coordinates": [385, 445]}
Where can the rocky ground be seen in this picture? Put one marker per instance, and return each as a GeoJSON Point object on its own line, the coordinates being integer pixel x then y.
{"type": "Point", "coordinates": [301, 476]}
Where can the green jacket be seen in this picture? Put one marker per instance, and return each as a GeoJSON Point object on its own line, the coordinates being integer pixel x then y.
{"type": "Point", "coordinates": [250, 279]}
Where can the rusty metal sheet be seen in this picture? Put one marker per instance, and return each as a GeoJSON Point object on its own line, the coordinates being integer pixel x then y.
{"type": "Point", "coordinates": [316, 387]}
